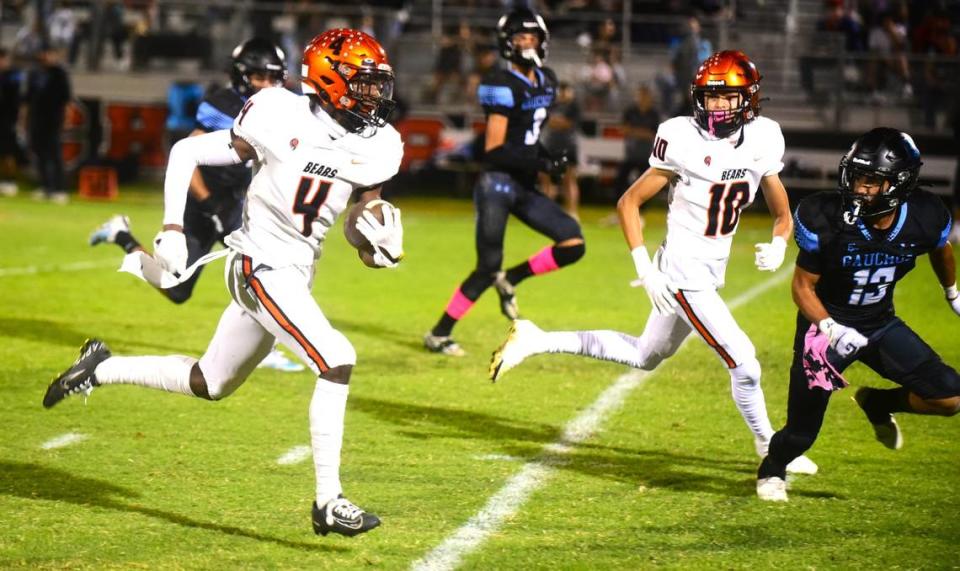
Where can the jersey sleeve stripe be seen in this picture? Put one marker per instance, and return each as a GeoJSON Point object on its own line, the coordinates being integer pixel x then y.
{"type": "Point", "coordinates": [495, 95]}
{"type": "Point", "coordinates": [277, 314]}
{"type": "Point", "coordinates": [806, 239]}
{"type": "Point", "coordinates": [213, 119]}
{"type": "Point", "coordinates": [946, 232]}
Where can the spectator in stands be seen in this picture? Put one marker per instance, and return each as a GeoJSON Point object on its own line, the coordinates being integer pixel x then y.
{"type": "Point", "coordinates": [599, 80]}
{"type": "Point", "coordinates": [560, 139]}
{"type": "Point", "coordinates": [48, 93]}
{"type": "Point", "coordinates": [640, 122]}
{"type": "Point", "coordinates": [115, 29]}
{"type": "Point", "coordinates": [11, 86]}
{"type": "Point", "coordinates": [448, 66]}
{"type": "Point", "coordinates": [484, 60]}
{"type": "Point", "coordinates": [685, 58]}
{"type": "Point", "coordinates": [838, 18]}
{"type": "Point", "coordinates": [888, 44]}
{"type": "Point", "coordinates": [935, 39]}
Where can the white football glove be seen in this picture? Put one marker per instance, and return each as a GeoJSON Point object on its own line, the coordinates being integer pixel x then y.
{"type": "Point", "coordinates": [845, 340]}
{"type": "Point", "coordinates": [769, 255]}
{"type": "Point", "coordinates": [953, 298]}
{"type": "Point", "coordinates": [170, 250]}
{"type": "Point", "coordinates": [386, 237]}
{"type": "Point", "coordinates": [659, 288]}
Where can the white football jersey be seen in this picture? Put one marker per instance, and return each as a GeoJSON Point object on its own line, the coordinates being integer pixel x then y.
{"type": "Point", "coordinates": [306, 169]}
{"type": "Point", "coordinates": [716, 179]}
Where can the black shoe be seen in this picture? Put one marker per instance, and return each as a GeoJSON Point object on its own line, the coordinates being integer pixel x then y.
{"type": "Point", "coordinates": [508, 296]}
{"type": "Point", "coordinates": [343, 517]}
{"type": "Point", "coordinates": [885, 428]}
{"type": "Point", "coordinates": [79, 378]}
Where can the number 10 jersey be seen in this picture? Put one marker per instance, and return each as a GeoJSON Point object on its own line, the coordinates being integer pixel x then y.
{"type": "Point", "coordinates": [716, 179]}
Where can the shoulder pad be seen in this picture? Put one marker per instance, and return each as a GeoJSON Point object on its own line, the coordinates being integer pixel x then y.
{"type": "Point", "coordinates": [815, 218]}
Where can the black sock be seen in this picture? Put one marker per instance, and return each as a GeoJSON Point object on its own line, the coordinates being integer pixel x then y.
{"type": "Point", "coordinates": [881, 403]}
{"type": "Point", "coordinates": [444, 327]}
{"type": "Point", "coordinates": [126, 241]}
{"type": "Point", "coordinates": [518, 273]}
{"type": "Point", "coordinates": [562, 255]}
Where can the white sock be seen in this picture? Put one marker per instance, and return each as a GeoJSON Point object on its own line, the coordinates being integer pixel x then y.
{"type": "Point", "coordinates": [171, 373]}
{"type": "Point", "coordinates": [748, 396]}
{"type": "Point", "coordinates": [327, 409]}
{"type": "Point", "coordinates": [604, 345]}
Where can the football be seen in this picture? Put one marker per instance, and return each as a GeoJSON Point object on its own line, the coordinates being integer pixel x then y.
{"type": "Point", "coordinates": [350, 232]}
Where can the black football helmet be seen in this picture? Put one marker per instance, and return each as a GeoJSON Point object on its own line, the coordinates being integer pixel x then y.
{"type": "Point", "coordinates": [885, 154]}
{"type": "Point", "coordinates": [522, 20]}
{"type": "Point", "coordinates": [256, 55]}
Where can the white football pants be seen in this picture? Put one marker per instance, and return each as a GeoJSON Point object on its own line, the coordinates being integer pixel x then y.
{"type": "Point", "coordinates": [701, 311]}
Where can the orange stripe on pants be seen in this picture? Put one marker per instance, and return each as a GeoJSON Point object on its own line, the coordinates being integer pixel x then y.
{"type": "Point", "coordinates": [277, 314]}
{"type": "Point", "coordinates": [702, 330]}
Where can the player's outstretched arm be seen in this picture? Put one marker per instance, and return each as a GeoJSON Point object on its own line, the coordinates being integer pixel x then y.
{"type": "Point", "coordinates": [770, 255]}
{"type": "Point", "coordinates": [945, 266]}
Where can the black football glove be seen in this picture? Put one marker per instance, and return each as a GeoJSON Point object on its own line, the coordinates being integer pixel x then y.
{"type": "Point", "coordinates": [211, 209]}
{"type": "Point", "coordinates": [554, 167]}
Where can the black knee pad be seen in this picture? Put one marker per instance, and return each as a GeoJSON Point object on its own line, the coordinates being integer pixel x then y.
{"type": "Point", "coordinates": [566, 255]}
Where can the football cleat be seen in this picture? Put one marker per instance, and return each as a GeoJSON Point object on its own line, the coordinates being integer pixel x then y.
{"type": "Point", "coordinates": [772, 489]}
{"type": "Point", "coordinates": [79, 378]}
{"type": "Point", "coordinates": [799, 465]}
{"type": "Point", "coordinates": [508, 296]}
{"type": "Point", "coordinates": [888, 432]}
{"type": "Point", "coordinates": [107, 232]}
{"type": "Point", "coordinates": [443, 344]}
{"type": "Point", "coordinates": [343, 517]}
{"type": "Point", "coordinates": [520, 344]}
{"type": "Point", "coordinates": [275, 359]}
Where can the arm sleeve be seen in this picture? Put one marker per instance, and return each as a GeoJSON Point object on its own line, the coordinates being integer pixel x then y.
{"type": "Point", "coordinates": [666, 148]}
{"type": "Point", "coordinates": [495, 97]}
{"type": "Point", "coordinates": [212, 149]}
{"type": "Point", "coordinates": [808, 237]}
{"type": "Point", "coordinates": [773, 147]}
{"type": "Point", "coordinates": [262, 121]}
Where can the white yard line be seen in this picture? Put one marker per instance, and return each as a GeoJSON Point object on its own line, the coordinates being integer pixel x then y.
{"type": "Point", "coordinates": [71, 267]}
{"type": "Point", "coordinates": [534, 474]}
{"type": "Point", "coordinates": [295, 455]}
{"type": "Point", "coordinates": [63, 440]}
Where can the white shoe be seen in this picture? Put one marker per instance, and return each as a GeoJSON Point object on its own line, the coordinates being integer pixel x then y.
{"type": "Point", "coordinates": [772, 489]}
{"type": "Point", "coordinates": [799, 465]}
{"type": "Point", "coordinates": [521, 343]}
{"type": "Point", "coordinates": [60, 198]}
{"type": "Point", "coordinates": [275, 359]}
{"type": "Point", "coordinates": [802, 465]}
{"type": "Point", "coordinates": [8, 189]}
{"type": "Point", "coordinates": [107, 232]}
{"type": "Point", "coordinates": [443, 344]}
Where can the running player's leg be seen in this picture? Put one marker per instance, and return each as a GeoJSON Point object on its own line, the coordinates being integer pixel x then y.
{"type": "Point", "coordinates": [662, 336]}
{"type": "Point", "coordinates": [284, 306]}
{"type": "Point", "coordinates": [237, 346]}
{"type": "Point", "coordinates": [493, 196]}
{"type": "Point", "coordinates": [546, 217]}
{"type": "Point", "coordinates": [927, 384]}
{"type": "Point", "coordinates": [709, 316]}
{"type": "Point", "coordinates": [807, 401]}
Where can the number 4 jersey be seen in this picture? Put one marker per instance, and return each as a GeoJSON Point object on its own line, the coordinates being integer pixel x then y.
{"type": "Point", "coordinates": [858, 265]}
{"type": "Point", "coordinates": [716, 179]}
{"type": "Point", "coordinates": [306, 169]}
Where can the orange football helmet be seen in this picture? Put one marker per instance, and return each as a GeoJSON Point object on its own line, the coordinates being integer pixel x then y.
{"type": "Point", "coordinates": [726, 72]}
{"type": "Point", "coordinates": [348, 70]}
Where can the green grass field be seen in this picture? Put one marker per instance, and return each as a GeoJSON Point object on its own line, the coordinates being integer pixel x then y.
{"type": "Point", "coordinates": [163, 481]}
